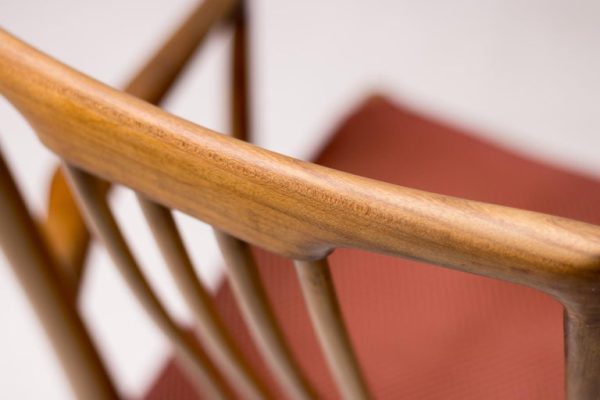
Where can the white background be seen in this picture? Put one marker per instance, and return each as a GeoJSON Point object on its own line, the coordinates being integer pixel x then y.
{"type": "Point", "coordinates": [522, 72]}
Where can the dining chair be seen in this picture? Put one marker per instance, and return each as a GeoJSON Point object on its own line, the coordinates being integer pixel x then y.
{"type": "Point", "coordinates": [268, 207]}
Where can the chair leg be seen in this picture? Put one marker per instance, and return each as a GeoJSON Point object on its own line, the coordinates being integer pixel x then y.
{"type": "Point", "coordinates": [582, 353]}
{"type": "Point", "coordinates": [37, 273]}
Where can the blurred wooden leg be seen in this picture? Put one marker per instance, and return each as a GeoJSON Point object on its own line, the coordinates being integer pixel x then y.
{"type": "Point", "coordinates": [37, 274]}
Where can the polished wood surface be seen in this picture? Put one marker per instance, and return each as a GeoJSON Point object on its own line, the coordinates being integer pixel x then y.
{"type": "Point", "coordinates": [36, 271]}
{"type": "Point", "coordinates": [299, 209]}
{"type": "Point", "coordinates": [285, 205]}
{"type": "Point", "coordinates": [101, 221]}
{"type": "Point", "coordinates": [319, 293]}
{"type": "Point", "coordinates": [218, 342]}
{"type": "Point", "coordinates": [258, 314]}
{"type": "Point", "coordinates": [64, 227]}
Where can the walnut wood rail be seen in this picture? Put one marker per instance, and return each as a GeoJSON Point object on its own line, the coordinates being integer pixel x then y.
{"type": "Point", "coordinates": [301, 210]}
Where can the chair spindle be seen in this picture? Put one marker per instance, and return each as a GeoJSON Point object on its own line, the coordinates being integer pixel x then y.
{"type": "Point", "coordinates": [240, 104]}
{"type": "Point", "coordinates": [218, 342]}
{"type": "Point", "coordinates": [319, 293]}
{"type": "Point", "coordinates": [258, 314]}
{"type": "Point", "coordinates": [37, 273]}
{"type": "Point", "coordinates": [101, 221]}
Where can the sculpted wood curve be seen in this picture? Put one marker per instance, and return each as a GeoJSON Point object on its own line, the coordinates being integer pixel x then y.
{"type": "Point", "coordinates": [291, 207]}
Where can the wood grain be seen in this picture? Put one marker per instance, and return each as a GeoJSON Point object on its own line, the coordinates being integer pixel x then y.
{"type": "Point", "coordinates": [64, 227]}
{"type": "Point", "coordinates": [102, 223]}
{"type": "Point", "coordinates": [319, 294]}
{"type": "Point", "coordinates": [35, 270]}
{"type": "Point", "coordinates": [291, 207]}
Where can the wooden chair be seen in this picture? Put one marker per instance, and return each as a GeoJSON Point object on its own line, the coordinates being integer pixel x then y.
{"type": "Point", "coordinates": [296, 209]}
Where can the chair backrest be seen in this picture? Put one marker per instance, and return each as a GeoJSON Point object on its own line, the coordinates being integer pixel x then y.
{"type": "Point", "coordinates": [250, 195]}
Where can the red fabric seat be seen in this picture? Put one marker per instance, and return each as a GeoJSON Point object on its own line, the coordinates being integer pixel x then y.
{"type": "Point", "coordinates": [424, 332]}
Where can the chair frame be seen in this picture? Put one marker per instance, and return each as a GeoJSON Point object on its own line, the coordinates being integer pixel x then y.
{"type": "Point", "coordinates": [297, 209]}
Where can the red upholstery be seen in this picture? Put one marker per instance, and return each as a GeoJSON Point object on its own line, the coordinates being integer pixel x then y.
{"type": "Point", "coordinates": [424, 332]}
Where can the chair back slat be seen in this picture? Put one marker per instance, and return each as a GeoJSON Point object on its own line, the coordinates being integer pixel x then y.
{"type": "Point", "coordinates": [218, 342]}
{"type": "Point", "coordinates": [240, 98]}
{"type": "Point", "coordinates": [101, 222]}
{"type": "Point", "coordinates": [253, 302]}
{"type": "Point", "coordinates": [319, 294]}
{"type": "Point", "coordinates": [37, 273]}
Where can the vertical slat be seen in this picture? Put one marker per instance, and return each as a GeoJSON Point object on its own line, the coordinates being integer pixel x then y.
{"type": "Point", "coordinates": [240, 85]}
{"type": "Point", "coordinates": [582, 354]}
{"type": "Point", "coordinates": [218, 343]}
{"type": "Point", "coordinates": [65, 231]}
{"type": "Point", "coordinates": [102, 223]}
{"type": "Point", "coordinates": [241, 268]}
{"type": "Point", "coordinates": [251, 297]}
{"type": "Point", "coordinates": [36, 272]}
{"type": "Point", "coordinates": [319, 294]}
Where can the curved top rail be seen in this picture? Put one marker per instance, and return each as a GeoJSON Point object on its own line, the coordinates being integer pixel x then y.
{"type": "Point", "coordinates": [288, 206]}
